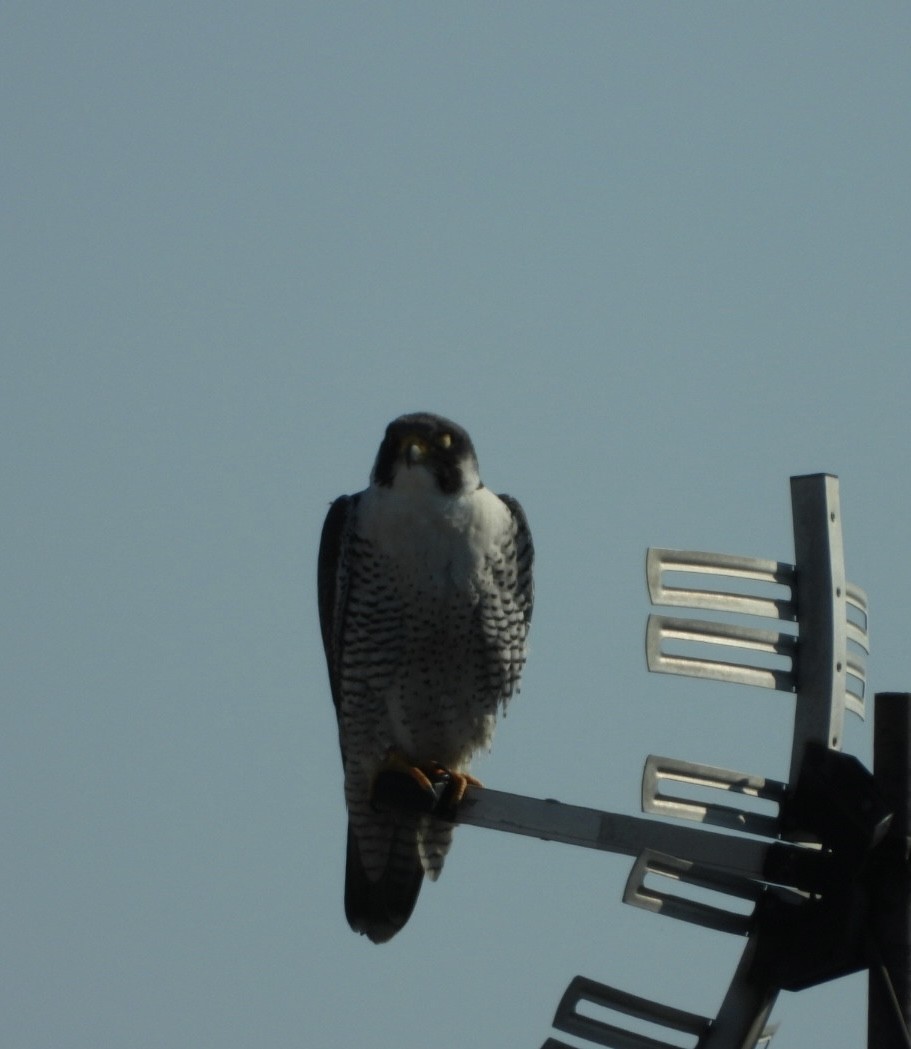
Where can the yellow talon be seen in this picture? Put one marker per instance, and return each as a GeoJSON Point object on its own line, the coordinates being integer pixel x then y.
{"type": "Point", "coordinates": [456, 785]}
{"type": "Point", "coordinates": [398, 783]}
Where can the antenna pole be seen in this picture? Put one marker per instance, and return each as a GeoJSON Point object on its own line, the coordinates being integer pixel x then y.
{"type": "Point", "coordinates": [889, 1013]}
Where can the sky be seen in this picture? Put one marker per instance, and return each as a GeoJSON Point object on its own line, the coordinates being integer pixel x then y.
{"type": "Point", "coordinates": [654, 257]}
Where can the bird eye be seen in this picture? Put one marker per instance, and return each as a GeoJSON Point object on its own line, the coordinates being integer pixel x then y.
{"type": "Point", "coordinates": [445, 440]}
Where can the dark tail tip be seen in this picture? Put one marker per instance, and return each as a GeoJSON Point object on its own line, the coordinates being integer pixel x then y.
{"type": "Point", "coordinates": [379, 909]}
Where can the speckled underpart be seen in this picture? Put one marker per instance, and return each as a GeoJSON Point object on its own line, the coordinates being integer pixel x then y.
{"type": "Point", "coordinates": [432, 602]}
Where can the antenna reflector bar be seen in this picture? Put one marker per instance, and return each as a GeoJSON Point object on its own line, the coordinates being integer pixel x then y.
{"type": "Point", "coordinates": [674, 905]}
{"type": "Point", "coordinates": [689, 634]}
{"type": "Point", "coordinates": [661, 771]}
{"type": "Point", "coordinates": [756, 570]}
{"type": "Point", "coordinates": [587, 993]}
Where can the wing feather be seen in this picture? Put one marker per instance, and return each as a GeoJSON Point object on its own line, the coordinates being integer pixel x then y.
{"type": "Point", "coordinates": [332, 584]}
{"type": "Point", "coordinates": [525, 556]}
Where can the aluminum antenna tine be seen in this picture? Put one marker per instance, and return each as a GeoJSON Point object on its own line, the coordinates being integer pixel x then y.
{"type": "Point", "coordinates": [570, 1020]}
{"type": "Point", "coordinates": [691, 635]}
{"type": "Point", "coordinates": [698, 781]}
{"type": "Point", "coordinates": [763, 574]}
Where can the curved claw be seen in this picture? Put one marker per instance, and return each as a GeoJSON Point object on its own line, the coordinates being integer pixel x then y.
{"type": "Point", "coordinates": [459, 782]}
{"type": "Point", "coordinates": [424, 788]}
{"type": "Point", "coordinates": [455, 785]}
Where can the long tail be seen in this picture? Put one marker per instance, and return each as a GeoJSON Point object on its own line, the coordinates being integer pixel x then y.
{"type": "Point", "coordinates": [379, 908]}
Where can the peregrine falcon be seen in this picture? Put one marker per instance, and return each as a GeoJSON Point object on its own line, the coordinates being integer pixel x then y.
{"type": "Point", "coordinates": [425, 598]}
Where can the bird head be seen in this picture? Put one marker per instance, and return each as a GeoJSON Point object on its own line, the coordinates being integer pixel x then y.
{"type": "Point", "coordinates": [429, 443]}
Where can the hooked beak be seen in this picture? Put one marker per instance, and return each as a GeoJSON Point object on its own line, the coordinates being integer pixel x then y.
{"type": "Point", "coordinates": [414, 450]}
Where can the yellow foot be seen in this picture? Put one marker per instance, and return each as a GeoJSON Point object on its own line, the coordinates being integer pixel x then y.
{"type": "Point", "coordinates": [426, 788]}
{"type": "Point", "coordinates": [458, 783]}
{"type": "Point", "coordinates": [402, 785]}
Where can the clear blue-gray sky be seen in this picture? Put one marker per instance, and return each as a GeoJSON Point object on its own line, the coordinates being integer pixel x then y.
{"type": "Point", "coordinates": [655, 257]}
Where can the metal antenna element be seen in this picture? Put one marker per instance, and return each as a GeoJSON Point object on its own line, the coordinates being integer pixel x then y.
{"type": "Point", "coordinates": [571, 1021]}
{"type": "Point", "coordinates": [824, 662]}
{"type": "Point", "coordinates": [699, 779]}
{"type": "Point", "coordinates": [693, 633]}
{"type": "Point", "coordinates": [816, 651]}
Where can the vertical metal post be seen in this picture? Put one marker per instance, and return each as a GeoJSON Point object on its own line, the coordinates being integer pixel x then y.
{"type": "Point", "coordinates": [746, 1008]}
{"type": "Point", "coordinates": [889, 1013]}
{"type": "Point", "coordinates": [822, 614]}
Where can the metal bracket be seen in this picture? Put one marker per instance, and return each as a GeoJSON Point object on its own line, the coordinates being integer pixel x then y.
{"type": "Point", "coordinates": [837, 801]}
